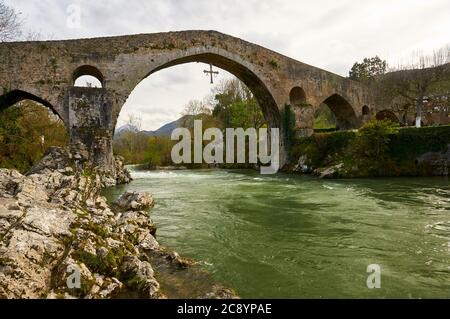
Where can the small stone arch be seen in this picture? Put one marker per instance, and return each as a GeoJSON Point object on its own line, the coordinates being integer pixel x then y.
{"type": "Point", "coordinates": [365, 110]}
{"type": "Point", "coordinates": [297, 96]}
{"type": "Point", "coordinates": [387, 115]}
{"type": "Point", "coordinates": [88, 70]}
{"type": "Point", "coordinates": [345, 114]}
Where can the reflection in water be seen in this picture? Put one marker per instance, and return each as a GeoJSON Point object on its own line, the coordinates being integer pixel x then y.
{"type": "Point", "coordinates": [295, 236]}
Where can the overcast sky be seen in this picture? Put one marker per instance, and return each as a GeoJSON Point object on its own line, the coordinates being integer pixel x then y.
{"type": "Point", "coordinates": [330, 34]}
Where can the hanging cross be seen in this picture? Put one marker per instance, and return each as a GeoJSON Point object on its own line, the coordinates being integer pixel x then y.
{"type": "Point", "coordinates": [211, 73]}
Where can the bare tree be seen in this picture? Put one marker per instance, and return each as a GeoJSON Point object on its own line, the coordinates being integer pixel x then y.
{"type": "Point", "coordinates": [422, 76]}
{"type": "Point", "coordinates": [134, 122]}
{"type": "Point", "coordinates": [33, 36]}
{"type": "Point", "coordinates": [10, 23]}
{"type": "Point", "coordinates": [196, 107]}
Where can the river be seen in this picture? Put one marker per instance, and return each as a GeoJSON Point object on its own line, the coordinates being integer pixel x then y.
{"type": "Point", "coordinates": [290, 236]}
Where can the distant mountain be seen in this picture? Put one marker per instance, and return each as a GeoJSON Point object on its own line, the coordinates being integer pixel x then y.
{"type": "Point", "coordinates": [123, 129]}
{"type": "Point", "coordinates": [165, 130]}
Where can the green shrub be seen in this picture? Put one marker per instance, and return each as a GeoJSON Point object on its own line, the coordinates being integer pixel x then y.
{"type": "Point", "coordinates": [106, 266]}
{"type": "Point", "coordinates": [412, 142]}
{"type": "Point", "coordinates": [372, 142]}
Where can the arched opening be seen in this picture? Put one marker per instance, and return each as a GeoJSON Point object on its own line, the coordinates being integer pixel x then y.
{"type": "Point", "coordinates": [245, 75]}
{"type": "Point", "coordinates": [88, 76]}
{"type": "Point", "coordinates": [365, 110]}
{"type": "Point", "coordinates": [28, 127]}
{"type": "Point", "coordinates": [15, 96]}
{"type": "Point", "coordinates": [297, 96]}
{"type": "Point", "coordinates": [87, 81]}
{"type": "Point", "coordinates": [324, 119]}
{"type": "Point", "coordinates": [239, 93]}
{"type": "Point", "coordinates": [387, 115]}
{"type": "Point", "coordinates": [345, 115]}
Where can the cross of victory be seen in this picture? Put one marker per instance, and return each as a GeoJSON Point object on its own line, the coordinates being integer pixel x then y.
{"type": "Point", "coordinates": [211, 73]}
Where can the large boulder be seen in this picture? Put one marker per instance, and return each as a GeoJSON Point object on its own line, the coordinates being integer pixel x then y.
{"type": "Point", "coordinates": [302, 165]}
{"type": "Point", "coordinates": [140, 274]}
{"type": "Point", "coordinates": [329, 172]}
{"type": "Point", "coordinates": [135, 201]}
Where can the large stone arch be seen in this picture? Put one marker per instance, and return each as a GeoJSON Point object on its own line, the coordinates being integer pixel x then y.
{"type": "Point", "coordinates": [243, 70]}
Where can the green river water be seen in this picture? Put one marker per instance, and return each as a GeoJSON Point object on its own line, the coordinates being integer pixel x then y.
{"type": "Point", "coordinates": [289, 236]}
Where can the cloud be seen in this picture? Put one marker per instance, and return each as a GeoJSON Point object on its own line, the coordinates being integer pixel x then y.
{"type": "Point", "coordinates": [328, 34]}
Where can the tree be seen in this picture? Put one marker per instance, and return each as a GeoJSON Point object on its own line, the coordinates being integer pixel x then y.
{"type": "Point", "coordinates": [134, 122]}
{"type": "Point", "coordinates": [27, 129]}
{"type": "Point", "coordinates": [370, 150]}
{"type": "Point", "coordinates": [10, 23]}
{"type": "Point", "coordinates": [235, 105]}
{"type": "Point", "coordinates": [414, 81]}
{"type": "Point", "coordinates": [368, 70]}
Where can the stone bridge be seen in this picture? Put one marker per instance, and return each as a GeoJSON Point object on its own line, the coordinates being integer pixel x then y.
{"type": "Point", "coordinates": [45, 71]}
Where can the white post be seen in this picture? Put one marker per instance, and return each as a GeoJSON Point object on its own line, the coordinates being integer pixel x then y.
{"type": "Point", "coordinates": [419, 112]}
{"type": "Point", "coordinates": [418, 121]}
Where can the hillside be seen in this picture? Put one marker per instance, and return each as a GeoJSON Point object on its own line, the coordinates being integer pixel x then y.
{"type": "Point", "coordinates": [163, 131]}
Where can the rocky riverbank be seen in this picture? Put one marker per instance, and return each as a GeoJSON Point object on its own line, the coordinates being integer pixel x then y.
{"type": "Point", "coordinates": [59, 238]}
{"type": "Point", "coordinates": [427, 164]}
{"type": "Point", "coordinates": [377, 149]}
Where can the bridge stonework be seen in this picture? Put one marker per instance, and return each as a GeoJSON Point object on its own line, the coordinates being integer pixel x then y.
{"type": "Point", "coordinates": [45, 71]}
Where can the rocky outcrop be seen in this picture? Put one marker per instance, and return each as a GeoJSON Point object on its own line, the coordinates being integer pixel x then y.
{"type": "Point", "coordinates": [53, 222]}
{"type": "Point", "coordinates": [122, 175]}
{"type": "Point", "coordinates": [59, 238]}
{"type": "Point", "coordinates": [67, 162]}
{"type": "Point", "coordinates": [32, 231]}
